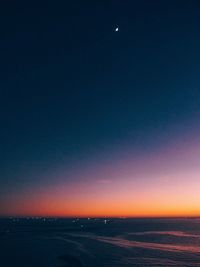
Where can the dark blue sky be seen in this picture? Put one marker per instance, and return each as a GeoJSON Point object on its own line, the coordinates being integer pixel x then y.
{"type": "Point", "coordinates": [71, 87]}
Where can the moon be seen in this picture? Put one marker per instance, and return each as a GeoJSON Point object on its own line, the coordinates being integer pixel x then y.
{"type": "Point", "coordinates": [116, 29]}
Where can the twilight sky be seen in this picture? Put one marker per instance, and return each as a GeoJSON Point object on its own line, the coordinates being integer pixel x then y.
{"type": "Point", "coordinates": [96, 122]}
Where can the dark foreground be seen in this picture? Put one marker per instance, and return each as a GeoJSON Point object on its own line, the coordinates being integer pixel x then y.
{"type": "Point", "coordinates": [35, 242]}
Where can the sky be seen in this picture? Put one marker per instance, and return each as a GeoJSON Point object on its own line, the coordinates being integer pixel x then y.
{"type": "Point", "coordinates": [99, 122]}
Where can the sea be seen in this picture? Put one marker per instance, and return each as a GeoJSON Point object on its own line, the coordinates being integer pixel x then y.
{"type": "Point", "coordinates": [99, 242]}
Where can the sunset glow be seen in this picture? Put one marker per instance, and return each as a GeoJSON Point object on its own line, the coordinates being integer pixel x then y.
{"type": "Point", "coordinates": [161, 183]}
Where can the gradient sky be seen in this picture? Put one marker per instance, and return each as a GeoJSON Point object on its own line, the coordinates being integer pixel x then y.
{"type": "Point", "coordinates": [96, 122]}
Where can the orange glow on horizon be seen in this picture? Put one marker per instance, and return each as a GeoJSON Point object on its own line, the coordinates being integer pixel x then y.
{"type": "Point", "coordinates": [164, 185]}
{"type": "Point", "coordinates": [78, 208]}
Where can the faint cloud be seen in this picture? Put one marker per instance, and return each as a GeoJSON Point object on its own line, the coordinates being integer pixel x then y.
{"type": "Point", "coordinates": [104, 181]}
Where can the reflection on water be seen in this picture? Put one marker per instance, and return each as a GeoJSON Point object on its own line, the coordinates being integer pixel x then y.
{"type": "Point", "coordinates": [172, 233]}
{"type": "Point", "coordinates": [121, 243]}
